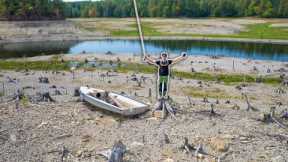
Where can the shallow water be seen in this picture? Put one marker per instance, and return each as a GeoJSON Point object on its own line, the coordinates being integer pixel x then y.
{"type": "Point", "coordinates": [239, 50]}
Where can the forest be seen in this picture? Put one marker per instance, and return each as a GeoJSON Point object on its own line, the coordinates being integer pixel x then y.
{"type": "Point", "coordinates": [57, 9]}
{"type": "Point", "coordinates": [180, 8]}
{"type": "Point", "coordinates": [32, 9]}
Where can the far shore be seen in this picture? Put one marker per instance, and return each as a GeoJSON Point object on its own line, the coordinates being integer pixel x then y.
{"type": "Point", "coordinates": [88, 38]}
{"type": "Point", "coordinates": [249, 30]}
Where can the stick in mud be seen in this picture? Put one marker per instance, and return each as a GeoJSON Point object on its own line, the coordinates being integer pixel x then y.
{"type": "Point", "coordinates": [150, 93]}
{"type": "Point", "coordinates": [64, 153]}
{"type": "Point", "coordinates": [249, 106]}
{"type": "Point", "coordinates": [189, 101]}
{"type": "Point", "coordinates": [3, 86]}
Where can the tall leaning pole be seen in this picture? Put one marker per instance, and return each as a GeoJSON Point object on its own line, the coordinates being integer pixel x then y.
{"type": "Point", "coordinates": [143, 51]}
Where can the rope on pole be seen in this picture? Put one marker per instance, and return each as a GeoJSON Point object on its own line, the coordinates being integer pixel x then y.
{"type": "Point", "coordinates": [139, 29]}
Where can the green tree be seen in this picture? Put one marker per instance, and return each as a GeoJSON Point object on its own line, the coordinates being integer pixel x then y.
{"type": "Point", "coordinates": [2, 8]}
{"type": "Point", "coordinates": [283, 8]}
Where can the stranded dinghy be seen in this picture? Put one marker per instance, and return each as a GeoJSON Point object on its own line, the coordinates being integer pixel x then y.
{"type": "Point", "coordinates": [112, 101]}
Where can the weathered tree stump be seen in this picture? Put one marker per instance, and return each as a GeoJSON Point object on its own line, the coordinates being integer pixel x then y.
{"type": "Point", "coordinates": [285, 115]}
{"type": "Point", "coordinates": [280, 91]}
{"type": "Point", "coordinates": [44, 97]}
{"type": "Point", "coordinates": [118, 152]}
{"type": "Point", "coordinates": [205, 100]}
{"type": "Point", "coordinates": [76, 92]}
{"type": "Point", "coordinates": [44, 80]}
{"type": "Point", "coordinates": [285, 83]}
{"type": "Point", "coordinates": [57, 92]}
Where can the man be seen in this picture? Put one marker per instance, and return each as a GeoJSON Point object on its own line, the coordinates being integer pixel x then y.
{"type": "Point", "coordinates": [164, 64]}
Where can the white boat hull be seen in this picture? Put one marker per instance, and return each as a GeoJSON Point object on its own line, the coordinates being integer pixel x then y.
{"type": "Point", "coordinates": [134, 108]}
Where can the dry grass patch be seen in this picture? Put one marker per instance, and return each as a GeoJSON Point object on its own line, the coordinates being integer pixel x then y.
{"type": "Point", "coordinates": [208, 92]}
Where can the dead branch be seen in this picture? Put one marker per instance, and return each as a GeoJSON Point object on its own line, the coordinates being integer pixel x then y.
{"type": "Point", "coordinates": [249, 106]}
{"type": "Point", "coordinates": [166, 138]}
{"type": "Point", "coordinates": [187, 147]}
{"type": "Point", "coordinates": [189, 101]}
{"type": "Point", "coordinates": [170, 110]}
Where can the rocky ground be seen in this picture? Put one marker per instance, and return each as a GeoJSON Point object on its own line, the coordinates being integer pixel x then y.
{"type": "Point", "coordinates": [69, 130]}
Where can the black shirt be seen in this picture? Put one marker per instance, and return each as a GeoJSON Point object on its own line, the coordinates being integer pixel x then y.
{"type": "Point", "coordinates": [164, 67]}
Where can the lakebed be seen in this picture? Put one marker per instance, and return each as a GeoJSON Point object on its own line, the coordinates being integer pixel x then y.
{"type": "Point", "coordinates": [70, 130]}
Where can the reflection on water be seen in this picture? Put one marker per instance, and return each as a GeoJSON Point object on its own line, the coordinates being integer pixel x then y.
{"type": "Point", "coordinates": [30, 49]}
{"type": "Point", "coordinates": [240, 50]}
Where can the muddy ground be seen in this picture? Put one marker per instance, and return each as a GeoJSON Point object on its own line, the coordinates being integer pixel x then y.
{"type": "Point", "coordinates": [69, 130]}
{"type": "Point", "coordinates": [103, 28]}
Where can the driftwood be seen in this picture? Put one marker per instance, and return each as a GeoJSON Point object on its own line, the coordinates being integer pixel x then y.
{"type": "Point", "coordinates": [249, 106]}
{"type": "Point", "coordinates": [118, 152]}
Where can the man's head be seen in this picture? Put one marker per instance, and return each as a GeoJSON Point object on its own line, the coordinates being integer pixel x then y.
{"type": "Point", "coordinates": [164, 55]}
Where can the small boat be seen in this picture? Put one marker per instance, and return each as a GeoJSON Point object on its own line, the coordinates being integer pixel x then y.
{"type": "Point", "coordinates": [112, 101]}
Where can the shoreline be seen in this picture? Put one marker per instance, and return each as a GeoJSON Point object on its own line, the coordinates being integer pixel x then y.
{"type": "Point", "coordinates": [86, 38]}
{"type": "Point", "coordinates": [197, 63]}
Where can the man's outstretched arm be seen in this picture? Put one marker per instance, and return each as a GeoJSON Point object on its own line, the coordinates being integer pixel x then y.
{"type": "Point", "coordinates": [150, 60]}
{"type": "Point", "coordinates": [179, 58]}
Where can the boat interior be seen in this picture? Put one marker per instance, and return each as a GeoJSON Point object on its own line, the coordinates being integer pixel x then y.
{"type": "Point", "coordinates": [115, 99]}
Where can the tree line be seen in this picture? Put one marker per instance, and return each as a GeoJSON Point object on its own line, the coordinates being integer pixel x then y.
{"type": "Point", "coordinates": [179, 8]}
{"type": "Point", "coordinates": [32, 9]}
{"type": "Point", "coordinates": [57, 9]}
